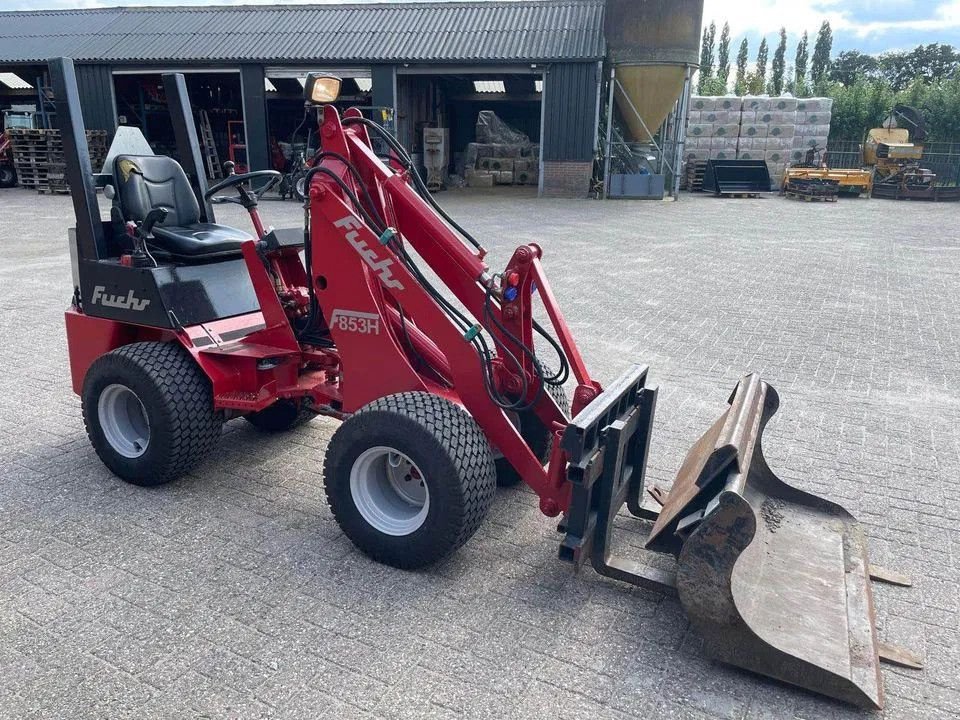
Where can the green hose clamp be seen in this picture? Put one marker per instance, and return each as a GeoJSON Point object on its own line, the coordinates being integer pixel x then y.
{"type": "Point", "coordinates": [388, 235]}
{"type": "Point", "coordinates": [472, 333]}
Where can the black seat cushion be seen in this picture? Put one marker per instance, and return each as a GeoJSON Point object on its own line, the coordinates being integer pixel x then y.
{"type": "Point", "coordinates": [145, 182]}
{"type": "Point", "coordinates": [199, 239]}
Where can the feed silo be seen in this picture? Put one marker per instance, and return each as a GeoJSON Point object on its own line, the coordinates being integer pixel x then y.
{"type": "Point", "coordinates": [651, 44]}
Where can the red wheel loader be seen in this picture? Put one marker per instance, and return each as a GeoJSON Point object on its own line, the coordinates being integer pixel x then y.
{"type": "Point", "coordinates": [384, 313]}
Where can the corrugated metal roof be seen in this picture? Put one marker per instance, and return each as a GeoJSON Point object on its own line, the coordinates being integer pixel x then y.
{"type": "Point", "coordinates": [412, 32]}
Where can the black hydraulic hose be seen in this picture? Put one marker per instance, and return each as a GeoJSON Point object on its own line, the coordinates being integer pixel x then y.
{"type": "Point", "coordinates": [320, 155]}
{"type": "Point", "coordinates": [319, 169]}
{"type": "Point", "coordinates": [405, 158]}
{"type": "Point", "coordinates": [563, 374]}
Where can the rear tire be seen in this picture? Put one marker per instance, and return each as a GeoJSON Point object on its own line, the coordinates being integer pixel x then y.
{"type": "Point", "coordinates": [299, 186]}
{"type": "Point", "coordinates": [8, 176]}
{"type": "Point", "coordinates": [148, 411]}
{"type": "Point", "coordinates": [409, 478]}
{"type": "Point", "coordinates": [283, 415]}
{"type": "Point", "coordinates": [538, 437]}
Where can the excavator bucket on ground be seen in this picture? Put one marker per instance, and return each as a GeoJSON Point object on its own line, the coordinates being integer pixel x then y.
{"type": "Point", "coordinates": [775, 580]}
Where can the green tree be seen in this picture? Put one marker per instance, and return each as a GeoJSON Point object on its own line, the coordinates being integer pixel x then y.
{"type": "Point", "coordinates": [820, 64]}
{"type": "Point", "coordinates": [779, 64]}
{"type": "Point", "coordinates": [723, 55]}
{"type": "Point", "coordinates": [801, 60]}
{"type": "Point", "coordinates": [706, 55]}
{"type": "Point", "coordinates": [927, 62]}
{"type": "Point", "coordinates": [852, 64]}
{"type": "Point", "coordinates": [743, 56]}
{"type": "Point", "coordinates": [761, 72]}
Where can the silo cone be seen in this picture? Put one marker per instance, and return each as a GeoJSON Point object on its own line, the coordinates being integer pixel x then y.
{"type": "Point", "coordinates": [651, 43]}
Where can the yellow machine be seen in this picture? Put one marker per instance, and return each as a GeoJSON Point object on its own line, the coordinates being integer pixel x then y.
{"type": "Point", "coordinates": [850, 182]}
{"type": "Point", "coordinates": [895, 154]}
{"type": "Point", "coordinates": [854, 182]}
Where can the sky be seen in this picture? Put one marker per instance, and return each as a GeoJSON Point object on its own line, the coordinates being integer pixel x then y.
{"type": "Point", "coordinates": [872, 26]}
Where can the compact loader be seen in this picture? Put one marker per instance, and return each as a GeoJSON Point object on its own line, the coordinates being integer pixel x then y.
{"type": "Point", "coordinates": [384, 313]}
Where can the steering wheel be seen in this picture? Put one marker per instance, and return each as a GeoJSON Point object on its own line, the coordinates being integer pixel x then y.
{"type": "Point", "coordinates": [248, 198]}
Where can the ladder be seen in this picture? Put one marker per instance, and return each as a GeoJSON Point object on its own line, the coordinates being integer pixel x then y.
{"type": "Point", "coordinates": [214, 171]}
{"type": "Point", "coordinates": [45, 103]}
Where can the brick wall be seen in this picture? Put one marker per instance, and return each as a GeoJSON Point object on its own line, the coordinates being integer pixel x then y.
{"type": "Point", "coordinates": [566, 178]}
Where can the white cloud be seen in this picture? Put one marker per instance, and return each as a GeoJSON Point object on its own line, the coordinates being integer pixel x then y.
{"type": "Point", "coordinates": [768, 16]}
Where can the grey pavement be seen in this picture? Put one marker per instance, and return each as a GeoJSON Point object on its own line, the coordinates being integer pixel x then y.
{"type": "Point", "coordinates": [232, 593]}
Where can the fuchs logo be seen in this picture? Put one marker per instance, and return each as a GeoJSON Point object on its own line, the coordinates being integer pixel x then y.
{"type": "Point", "coordinates": [128, 302]}
{"type": "Point", "coordinates": [369, 255]}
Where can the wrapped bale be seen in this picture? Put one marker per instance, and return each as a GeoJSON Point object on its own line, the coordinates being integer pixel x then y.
{"type": "Point", "coordinates": [817, 104]}
{"type": "Point", "coordinates": [731, 103]}
{"type": "Point", "coordinates": [757, 103]}
{"type": "Point", "coordinates": [784, 104]}
{"type": "Point", "coordinates": [781, 131]}
{"type": "Point", "coordinates": [491, 129]}
{"type": "Point", "coordinates": [753, 131]}
{"type": "Point", "coordinates": [729, 130]}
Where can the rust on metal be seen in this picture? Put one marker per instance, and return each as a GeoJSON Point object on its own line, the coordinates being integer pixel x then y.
{"type": "Point", "coordinates": [658, 494]}
{"type": "Point", "coordinates": [774, 579]}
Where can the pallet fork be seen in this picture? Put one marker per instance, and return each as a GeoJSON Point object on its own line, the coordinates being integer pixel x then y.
{"type": "Point", "coordinates": [220, 323]}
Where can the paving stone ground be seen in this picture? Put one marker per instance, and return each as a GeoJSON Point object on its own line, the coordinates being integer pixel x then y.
{"type": "Point", "coordinates": [232, 593]}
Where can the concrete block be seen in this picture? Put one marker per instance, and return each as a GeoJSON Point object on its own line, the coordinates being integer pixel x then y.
{"type": "Point", "coordinates": [480, 180]}
{"type": "Point", "coordinates": [698, 102]}
{"type": "Point", "coordinates": [504, 177]}
{"type": "Point", "coordinates": [700, 130]}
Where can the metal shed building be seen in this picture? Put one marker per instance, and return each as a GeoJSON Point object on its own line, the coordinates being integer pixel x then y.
{"type": "Point", "coordinates": [536, 62]}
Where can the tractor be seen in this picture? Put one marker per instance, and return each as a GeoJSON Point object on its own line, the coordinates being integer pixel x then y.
{"type": "Point", "coordinates": [384, 313]}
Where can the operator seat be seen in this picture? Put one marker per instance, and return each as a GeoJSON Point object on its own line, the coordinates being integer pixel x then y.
{"type": "Point", "coordinates": [145, 182]}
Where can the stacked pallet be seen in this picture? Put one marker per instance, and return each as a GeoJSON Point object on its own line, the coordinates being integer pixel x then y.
{"type": "Point", "coordinates": [39, 159]}
{"type": "Point", "coordinates": [693, 178]}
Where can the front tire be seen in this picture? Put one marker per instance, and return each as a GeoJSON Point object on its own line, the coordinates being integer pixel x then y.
{"type": "Point", "coordinates": [148, 411]}
{"type": "Point", "coordinates": [409, 478]}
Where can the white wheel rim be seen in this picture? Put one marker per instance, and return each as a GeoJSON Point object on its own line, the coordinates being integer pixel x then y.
{"type": "Point", "coordinates": [302, 186]}
{"type": "Point", "coordinates": [389, 491]}
{"type": "Point", "coordinates": [123, 421]}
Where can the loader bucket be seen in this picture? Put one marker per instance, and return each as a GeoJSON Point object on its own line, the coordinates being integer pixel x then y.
{"type": "Point", "coordinates": [774, 579]}
{"type": "Point", "coordinates": [736, 177]}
